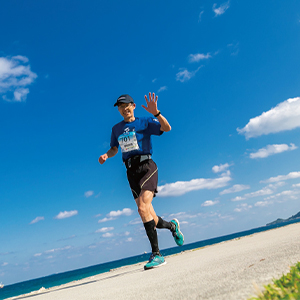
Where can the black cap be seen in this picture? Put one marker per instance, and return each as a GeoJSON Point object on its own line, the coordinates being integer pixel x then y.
{"type": "Point", "coordinates": [124, 99]}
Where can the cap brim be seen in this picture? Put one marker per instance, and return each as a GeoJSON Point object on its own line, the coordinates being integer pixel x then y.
{"type": "Point", "coordinates": [120, 102]}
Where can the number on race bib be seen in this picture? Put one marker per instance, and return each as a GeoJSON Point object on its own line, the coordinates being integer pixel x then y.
{"type": "Point", "coordinates": [128, 142]}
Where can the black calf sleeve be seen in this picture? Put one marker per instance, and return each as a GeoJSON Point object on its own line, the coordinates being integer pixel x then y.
{"type": "Point", "coordinates": [152, 235]}
{"type": "Point", "coordinates": [163, 224]}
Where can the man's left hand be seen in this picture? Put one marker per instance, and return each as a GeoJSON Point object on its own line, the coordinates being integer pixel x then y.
{"type": "Point", "coordinates": [151, 104]}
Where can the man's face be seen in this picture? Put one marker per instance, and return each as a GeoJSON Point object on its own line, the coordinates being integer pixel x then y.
{"type": "Point", "coordinates": [126, 110]}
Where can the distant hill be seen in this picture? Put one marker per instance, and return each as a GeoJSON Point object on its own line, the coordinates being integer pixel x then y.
{"type": "Point", "coordinates": [297, 216]}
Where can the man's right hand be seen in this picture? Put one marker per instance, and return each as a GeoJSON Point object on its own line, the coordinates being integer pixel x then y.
{"type": "Point", "coordinates": [110, 153]}
{"type": "Point", "coordinates": [103, 158]}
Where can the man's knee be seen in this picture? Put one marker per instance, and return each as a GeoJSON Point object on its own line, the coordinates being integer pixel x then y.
{"type": "Point", "coordinates": [144, 203]}
{"type": "Point", "coordinates": [142, 208]}
{"type": "Point", "coordinates": [146, 196]}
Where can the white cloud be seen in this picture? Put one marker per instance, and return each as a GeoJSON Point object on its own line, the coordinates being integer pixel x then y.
{"type": "Point", "coordinates": [114, 214]}
{"type": "Point", "coordinates": [50, 251]}
{"type": "Point", "coordinates": [66, 214]}
{"type": "Point", "coordinates": [163, 88]}
{"type": "Point", "coordinates": [66, 248]}
{"type": "Point", "coordinates": [267, 190]}
{"type": "Point", "coordinates": [21, 58]}
{"type": "Point", "coordinates": [285, 116]}
{"type": "Point", "coordinates": [272, 149]}
{"type": "Point", "coordinates": [197, 57]}
{"type": "Point", "coordinates": [4, 264]}
{"type": "Point", "coordinates": [221, 9]}
{"type": "Point", "coordinates": [234, 48]}
{"type": "Point", "coordinates": [209, 203]}
{"type": "Point", "coordinates": [37, 219]}
{"type": "Point", "coordinates": [105, 220]}
{"type": "Point", "coordinates": [220, 168]}
{"type": "Point", "coordinates": [200, 15]}
{"type": "Point", "coordinates": [263, 203]}
{"type": "Point", "coordinates": [285, 195]}
{"type": "Point", "coordinates": [289, 194]}
{"type": "Point", "coordinates": [6, 253]}
{"type": "Point", "coordinates": [118, 213]}
{"type": "Point", "coordinates": [291, 175]}
{"type": "Point", "coordinates": [182, 215]}
{"type": "Point", "coordinates": [88, 194]}
{"type": "Point", "coordinates": [242, 207]}
{"type": "Point", "coordinates": [57, 250]}
{"type": "Point", "coordinates": [15, 77]}
{"type": "Point", "coordinates": [107, 235]}
{"type": "Point", "coordinates": [276, 185]}
{"type": "Point", "coordinates": [236, 188]}
{"type": "Point", "coordinates": [182, 187]}
{"type": "Point", "coordinates": [264, 191]}
{"type": "Point", "coordinates": [129, 239]}
{"type": "Point", "coordinates": [238, 198]}
{"type": "Point", "coordinates": [135, 221]}
{"type": "Point", "coordinates": [296, 185]}
{"type": "Point", "coordinates": [185, 75]}
{"type": "Point", "coordinates": [20, 94]}
{"type": "Point", "coordinates": [105, 229]}
{"type": "Point", "coordinates": [186, 218]}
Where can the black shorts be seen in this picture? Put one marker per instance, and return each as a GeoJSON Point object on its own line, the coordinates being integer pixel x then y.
{"type": "Point", "coordinates": [143, 177]}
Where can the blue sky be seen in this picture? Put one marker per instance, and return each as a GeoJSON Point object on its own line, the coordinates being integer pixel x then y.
{"type": "Point", "coordinates": [227, 79]}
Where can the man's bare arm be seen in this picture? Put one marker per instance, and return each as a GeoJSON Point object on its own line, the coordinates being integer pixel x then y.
{"type": "Point", "coordinates": [164, 124]}
{"type": "Point", "coordinates": [110, 153]}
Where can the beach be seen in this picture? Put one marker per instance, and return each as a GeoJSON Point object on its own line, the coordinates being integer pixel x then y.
{"type": "Point", "coordinates": [233, 269]}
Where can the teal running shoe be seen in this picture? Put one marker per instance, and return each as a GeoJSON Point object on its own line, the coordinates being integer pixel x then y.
{"type": "Point", "coordinates": [177, 234]}
{"type": "Point", "coordinates": [154, 262]}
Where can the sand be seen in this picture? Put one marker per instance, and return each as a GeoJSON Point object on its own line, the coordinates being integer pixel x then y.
{"type": "Point", "coordinates": [228, 270]}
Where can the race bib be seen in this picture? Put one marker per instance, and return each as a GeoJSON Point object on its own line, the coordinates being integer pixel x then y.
{"type": "Point", "coordinates": [128, 142]}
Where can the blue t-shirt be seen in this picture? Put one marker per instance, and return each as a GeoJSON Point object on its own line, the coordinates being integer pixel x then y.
{"type": "Point", "coordinates": [134, 138]}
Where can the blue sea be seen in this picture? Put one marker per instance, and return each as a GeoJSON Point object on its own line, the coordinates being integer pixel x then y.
{"type": "Point", "coordinates": [62, 278]}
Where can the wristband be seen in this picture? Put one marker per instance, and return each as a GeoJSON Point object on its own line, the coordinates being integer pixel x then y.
{"type": "Point", "coordinates": [157, 114]}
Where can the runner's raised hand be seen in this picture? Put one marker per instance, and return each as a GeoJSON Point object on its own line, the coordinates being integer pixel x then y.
{"type": "Point", "coordinates": [151, 104]}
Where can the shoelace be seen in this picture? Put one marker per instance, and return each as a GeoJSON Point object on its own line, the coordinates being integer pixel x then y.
{"type": "Point", "coordinates": [151, 257]}
{"type": "Point", "coordinates": [174, 232]}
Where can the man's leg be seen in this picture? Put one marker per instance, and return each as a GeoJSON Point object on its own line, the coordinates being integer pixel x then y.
{"type": "Point", "coordinates": [144, 208]}
{"type": "Point", "coordinates": [149, 219]}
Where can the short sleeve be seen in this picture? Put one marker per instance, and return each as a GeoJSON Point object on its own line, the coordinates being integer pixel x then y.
{"type": "Point", "coordinates": [113, 140]}
{"type": "Point", "coordinates": [153, 127]}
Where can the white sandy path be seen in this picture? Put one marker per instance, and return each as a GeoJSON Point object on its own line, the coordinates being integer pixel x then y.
{"type": "Point", "coordinates": [222, 271]}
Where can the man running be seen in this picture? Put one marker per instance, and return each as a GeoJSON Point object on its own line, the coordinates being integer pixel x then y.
{"type": "Point", "coordinates": [133, 135]}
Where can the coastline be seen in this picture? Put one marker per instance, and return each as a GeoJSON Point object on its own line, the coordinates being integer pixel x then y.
{"type": "Point", "coordinates": [227, 270]}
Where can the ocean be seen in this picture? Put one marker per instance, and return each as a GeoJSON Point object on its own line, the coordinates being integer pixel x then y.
{"type": "Point", "coordinates": [62, 278]}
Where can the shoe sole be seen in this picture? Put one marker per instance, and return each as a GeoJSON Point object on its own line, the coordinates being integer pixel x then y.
{"type": "Point", "coordinates": [178, 228]}
{"type": "Point", "coordinates": [153, 267]}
